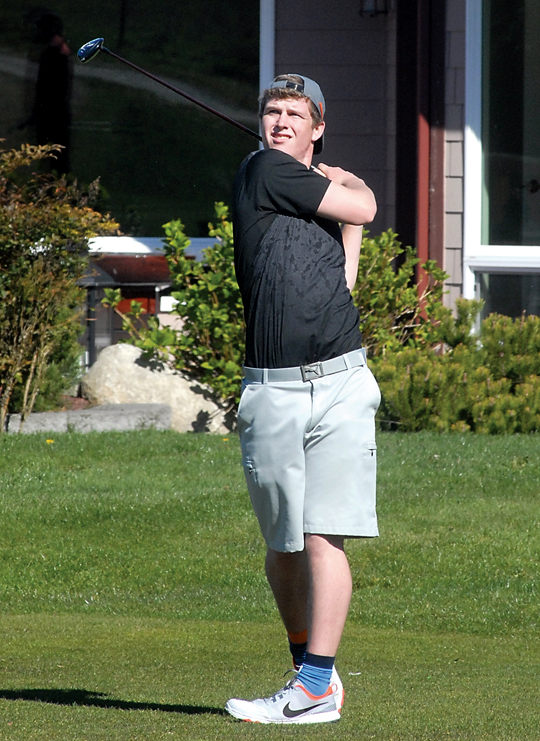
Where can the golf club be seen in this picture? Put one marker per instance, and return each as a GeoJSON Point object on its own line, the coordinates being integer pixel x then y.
{"type": "Point", "coordinates": [92, 49]}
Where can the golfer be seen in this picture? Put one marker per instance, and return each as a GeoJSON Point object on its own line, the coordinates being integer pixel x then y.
{"type": "Point", "coordinates": [306, 414]}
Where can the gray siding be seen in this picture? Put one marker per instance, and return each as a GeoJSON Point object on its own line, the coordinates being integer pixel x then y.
{"type": "Point", "coordinates": [455, 108]}
{"type": "Point", "coordinates": [353, 59]}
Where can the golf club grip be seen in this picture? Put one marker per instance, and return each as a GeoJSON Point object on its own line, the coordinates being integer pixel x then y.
{"type": "Point", "coordinates": [184, 95]}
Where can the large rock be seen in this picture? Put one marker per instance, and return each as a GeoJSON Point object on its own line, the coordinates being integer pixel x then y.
{"type": "Point", "coordinates": [121, 376]}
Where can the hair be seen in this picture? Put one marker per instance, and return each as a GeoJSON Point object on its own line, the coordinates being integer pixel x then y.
{"type": "Point", "coordinates": [49, 25]}
{"type": "Point", "coordinates": [283, 92]}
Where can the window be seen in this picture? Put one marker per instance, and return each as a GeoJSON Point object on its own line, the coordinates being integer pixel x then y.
{"type": "Point", "coordinates": [511, 122]}
{"type": "Point", "coordinates": [509, 294]}
{"type": "Point", "coordinates": [501, 256]}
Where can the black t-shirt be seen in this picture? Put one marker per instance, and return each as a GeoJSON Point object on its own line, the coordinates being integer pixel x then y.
{"type": "Point", "coordinates": [290, 265]}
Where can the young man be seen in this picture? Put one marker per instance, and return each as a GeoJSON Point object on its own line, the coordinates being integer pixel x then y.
{"type": "Point", "coordinates": [306, 415]}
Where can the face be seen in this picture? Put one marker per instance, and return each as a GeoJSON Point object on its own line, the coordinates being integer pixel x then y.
{"type": "Point", "coordinates": [287, 125]}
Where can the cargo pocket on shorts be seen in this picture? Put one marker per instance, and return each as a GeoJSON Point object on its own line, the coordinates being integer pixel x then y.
{"type": "Point", "coordinates": [370, 473]}
{"type": "Point", "coordinates": [372, 450]}
{"type": "Point", "coordinates": [250, 471]}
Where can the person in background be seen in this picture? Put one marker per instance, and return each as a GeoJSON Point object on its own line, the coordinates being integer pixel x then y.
{"type": "Point", "coordinates": [51, 110]}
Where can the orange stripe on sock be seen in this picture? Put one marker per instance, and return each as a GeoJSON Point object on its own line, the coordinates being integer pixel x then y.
{"type": "Point", "coordinates": [328, 692]}
{"type": "Point", "coordinates": [298, 637]}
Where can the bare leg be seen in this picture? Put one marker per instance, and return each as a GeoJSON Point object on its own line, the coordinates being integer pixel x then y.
{"type": "Point", "coordinates": [312, 589]}
{"type": "Point", "coordinates": [330, 592]}
{"type": "Point", "coordinates": [288, 576]}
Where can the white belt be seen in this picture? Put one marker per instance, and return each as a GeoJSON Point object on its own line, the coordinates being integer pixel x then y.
{"type": "Point", "coordinates": [353, 359]}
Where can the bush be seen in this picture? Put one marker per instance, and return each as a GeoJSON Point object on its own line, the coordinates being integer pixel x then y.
{"type": "Point", "coordinates": [393, 314]}
{"type": "Point", "coordinates": [44, 226]}
{"type": "Point", "coordinates": [210, 345]}
{"type": "Point", "coordinates": [433, 371]}
{"type": "Point", "coordinates": [487, 383]}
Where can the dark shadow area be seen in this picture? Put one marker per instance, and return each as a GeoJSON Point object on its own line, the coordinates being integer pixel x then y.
{"type": "Point", "coordinates": [50, 115]}
{"type": "Point", "coordinates": [201, 423]}
{"type": "Point", "coordinates": [158, 157]}
{"type": "Point", "coordinates": [150, 362]}
{"type": "Point", "coordinates": [87, 698]}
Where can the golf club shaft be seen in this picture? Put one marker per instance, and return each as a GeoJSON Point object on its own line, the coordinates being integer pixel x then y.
{"type": "Point", "coordinates": [185, 95]}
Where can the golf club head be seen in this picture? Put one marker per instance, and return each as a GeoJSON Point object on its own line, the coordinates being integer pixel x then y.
{"type": "Point", "coordinates": [90, 50]}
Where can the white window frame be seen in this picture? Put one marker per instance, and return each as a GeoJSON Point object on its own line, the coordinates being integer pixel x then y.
{"type": "Point", "coordinates": [267, 40]}
{"type": "Point", "coordinates": [478, 257]}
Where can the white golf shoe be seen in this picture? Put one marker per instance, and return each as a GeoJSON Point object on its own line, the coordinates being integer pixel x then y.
{"type": "Point", "coordinates": [292, 704]}
{"type": "Point", "coordinates": [335, 681]}
{"type": "Point", "coordinates": [339, 692]}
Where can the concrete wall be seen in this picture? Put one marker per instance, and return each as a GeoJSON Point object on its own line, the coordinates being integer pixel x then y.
{"type": "Point", "coordinates": [353, 59]}
{"type": "Point", "coordinates": [455, 109]}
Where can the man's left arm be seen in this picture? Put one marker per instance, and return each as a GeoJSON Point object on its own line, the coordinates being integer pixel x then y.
{"type": "Point", "coordinates": [350, 201]}
{"type": "Point", "coordinates": [347, 199]}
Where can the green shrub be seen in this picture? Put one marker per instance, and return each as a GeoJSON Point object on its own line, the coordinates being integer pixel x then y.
{"type": "Point", "coordinates": [393, 314]}
{"type": "Point", "coordinates": [211, 343]}
{"type": "Point", "coordinates": [44, 226]}
{"type": "Point", "coordinates": [512, 346]}
{"type": "Point", "coordinates": [210, 346]}
{"type": "Point", "coordinates": [433, 371]}
{"type": "Point", "coordinates": [487, 383]}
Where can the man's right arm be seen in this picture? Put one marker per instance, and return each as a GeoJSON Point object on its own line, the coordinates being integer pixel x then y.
{"type": "Point", "coordinates": [347, 199]}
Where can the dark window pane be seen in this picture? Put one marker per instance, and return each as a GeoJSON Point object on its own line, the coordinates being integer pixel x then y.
{"type": "Point", "coordinates": [511, 122]}
{"type": "Point", "coordinates": [510, 295]}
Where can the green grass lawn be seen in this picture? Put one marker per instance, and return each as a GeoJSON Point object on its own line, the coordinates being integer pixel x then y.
{"type": "Point", "coordinates": [133, 602]}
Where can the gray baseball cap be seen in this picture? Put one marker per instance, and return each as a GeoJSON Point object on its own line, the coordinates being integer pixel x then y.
{"type": "Point", "coordinates": [311, 90]}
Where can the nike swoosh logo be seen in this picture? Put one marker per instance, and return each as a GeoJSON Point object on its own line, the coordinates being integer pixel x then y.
{"type": "Point", "coordinates": [288, 713]}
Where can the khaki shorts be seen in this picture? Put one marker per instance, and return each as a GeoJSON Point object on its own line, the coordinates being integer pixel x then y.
{"type": "Point", "coordinates": [309, 456]}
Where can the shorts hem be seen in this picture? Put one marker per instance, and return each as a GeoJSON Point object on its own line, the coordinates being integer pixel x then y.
{"type": "Point", "coordinates": [286, 547]}
{"type": "Point", "coordinates": [343, 533]}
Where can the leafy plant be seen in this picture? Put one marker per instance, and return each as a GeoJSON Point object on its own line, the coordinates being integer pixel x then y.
{"type": "Point", "coordinates": [434, 372]}
{"type": "Point", "coordinates": [487, 383]}
{"type": "Point", "coordinates": [210, 345]}
{"type": "Point", "coordinates": [144, 333]}
{"type": "Point", "coordinates": [392, 311]}
{"type": "Point", "coordinates": [44, 226]}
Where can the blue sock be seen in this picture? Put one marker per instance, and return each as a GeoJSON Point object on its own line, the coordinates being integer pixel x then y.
{"type": "Point", "coordinates": [316, 672]}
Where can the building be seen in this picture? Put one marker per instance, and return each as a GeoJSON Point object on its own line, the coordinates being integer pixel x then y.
{"type": "Point", "coordinates": [437, 104]}
{"type": "Point", "coordinates": [138, 267]}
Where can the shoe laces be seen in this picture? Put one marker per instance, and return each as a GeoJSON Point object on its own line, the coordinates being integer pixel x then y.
{"type": "Point", "coordinates": [291, 671]}
{"type": "Point", "coordinates": [287, 688]}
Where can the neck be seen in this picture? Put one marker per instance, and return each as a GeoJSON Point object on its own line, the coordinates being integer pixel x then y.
{"type": "Point", "coordinates": [305, 159]}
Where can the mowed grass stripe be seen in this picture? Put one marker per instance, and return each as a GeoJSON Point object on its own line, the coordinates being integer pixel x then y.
{"type": "Point", "coordinates": [124, 523]}
{"type": "Point", "coordinates": [91, 677]}
{"type": "Point", "coordinates": [155, 523]}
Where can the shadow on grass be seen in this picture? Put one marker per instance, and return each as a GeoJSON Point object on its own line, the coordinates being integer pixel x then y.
{"type": "Point", "coordinates": [100, 700]}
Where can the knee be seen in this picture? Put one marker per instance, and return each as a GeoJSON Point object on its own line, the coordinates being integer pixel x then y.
{"type": "Point", "coordinates": [277, 561]}
{"type": "Point", "coordinates": [319, 546]}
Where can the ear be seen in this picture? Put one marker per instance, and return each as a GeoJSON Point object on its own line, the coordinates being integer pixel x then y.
{"type": "Point", "coordinates": [318, 131]}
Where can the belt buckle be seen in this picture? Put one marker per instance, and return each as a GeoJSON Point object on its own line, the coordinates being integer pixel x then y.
{"type": "Point", "coordinates": [311, 371]}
